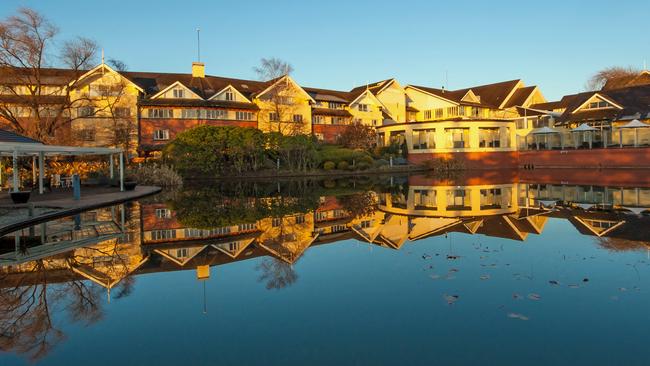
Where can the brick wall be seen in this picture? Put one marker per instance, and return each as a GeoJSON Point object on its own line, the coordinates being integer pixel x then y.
{"type": "Point", "coordinates": [329, 132]}
{"type": "Point", "coordinates": [176, 126]}
{"type": "Point", "coordinates": [598, 158]}
{"type": "Point", "coordinates": [473, 160]}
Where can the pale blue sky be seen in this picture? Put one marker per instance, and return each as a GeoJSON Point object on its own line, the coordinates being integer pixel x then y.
{"type": "Point", "coordinates": [338, 44]}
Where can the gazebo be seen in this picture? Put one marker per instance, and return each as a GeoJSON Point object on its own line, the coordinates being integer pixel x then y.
{"type": "Point", "coordinates": [583, 130]}
{"type": "Point", "coordinates": [634, 124]}
{"type": "Point", "coordinates": [543, 131]}
{"type": "Point", "coordinates": [41, 152]}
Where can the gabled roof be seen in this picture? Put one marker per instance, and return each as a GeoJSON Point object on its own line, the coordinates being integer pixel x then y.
{"type": "Point", "coordinates": [326, 95]}
{"type": "Point", "coordinates": [634, 100]}
{"type": "Point", "coordinates": [520, 96]}
{"type": "Point", "coordinates": [490, 95]}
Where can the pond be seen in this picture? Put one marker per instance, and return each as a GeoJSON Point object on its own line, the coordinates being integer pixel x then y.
{"type": "Point", "coordinates": [504, 268]}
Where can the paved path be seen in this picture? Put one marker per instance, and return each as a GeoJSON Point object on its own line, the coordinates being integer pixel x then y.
{"type": "Point", "coordinates": [61, 203]}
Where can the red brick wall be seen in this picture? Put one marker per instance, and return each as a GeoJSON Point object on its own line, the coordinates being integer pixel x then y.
{"type": "Point", "coordinates": [330, 132]}
{"type": "Point", "coordinates": [620, 177]}
{"type": "Point", "coordinates": [468, 178]}
{"type": "Point", "coordinates": [598, 158]}
{"type": "Point", "coordinates": [472, 160]}
{"type": "Point", "coordinates": [176, 126]}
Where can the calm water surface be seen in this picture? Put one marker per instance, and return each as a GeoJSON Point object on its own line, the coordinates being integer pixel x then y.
{"type": "Point", "coordinates": [497, 269]}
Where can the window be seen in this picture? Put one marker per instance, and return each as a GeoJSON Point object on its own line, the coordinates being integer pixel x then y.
{"type": "Point", "coordinates": [319, 136]}
{"type": "Point", "coordinates": [122, 112]}
{"type": "Point", "coordinates": [365, 224]}
{"type": "Point", "coordinates": [338, 120]}
{"type": "Point", "coordinates": [338, 228]}
{"type": "Point", "coordinates": [424, 139]}
{"type": "Point", "coordinates": [427, 114]}
{"type": "Point", "coordinates": [335, 105]}
{"type": "Point", "coordinates": [374, 122]}
{"type": "Point", "coordinates": [160, 113]}
{"type": "Point", "coordinates": [461, 110]}
{"type": "Point", "coordinates": [122, 133]}
{"type": "Point", "coordinates": [276, 221]}
{"type": "Point", "coordinates": [476, 112]}
{"type": "Point", "coordinates": [163, 234]}
{"type": "Point", "coordinates": [182, 253]}
{"type": "Point", "coordinates": [321, 216]}
{"type": "Point", "coordinates": [179, 93]}
{"type": "Point", "coordinates": [492, 198]}
{"type": "Point", "coordinates": [452, 111]}
{"type": "Point", "coordinates": [273, 116]}
{"type": "Point", "coordinates": [397, 137]}
{"type": "Point", "coordinates": [159, 135]}
{"type": "Point", "coordinates": [439, 112]}
{"type": "Point", "coordinates": [190, 113]}
{"type": "Point", "coordinates": [297, 118]}
{"type": "Point", "coordinates": [163, 213]}
{"type": "Point", "coordinates": [598, 105]}
{"type": "Point", "coordinates": [317, 119]}
{"type": "Point", "coordinates": [300, 219]}
{"type": "Point", "coordinates": [285, 100]}
{"type": "Point", "coordinates": [244, 116]}
{"type": "Point", "coordinates": [363, 108]}
{"type": "Point", "coordinates": [522, 123]}
{"type": "Point", "coordinates": [213, 113]}
{"type": "Point", "coordinates": [489, 137]}
{"type": "Point", "coordinates": [85, 111]}
{"type": "Point", "coordinates": [86, 134]}
{"type": "Point", "coordinates": [230, 96]}
{"type": "Point", "coordinates": [457, 138]}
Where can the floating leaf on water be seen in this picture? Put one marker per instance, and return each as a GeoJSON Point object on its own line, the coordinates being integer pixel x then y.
{"type": "Point", "coordinates": [573, 286]}
{"type": "Point", "coordinates": [534, 297]}
{"type": "Point", "coordinates": [453, 270]}
{"type": "Point", "coordinates": [516, 296]}
{"type": "Point", "coordinates": [425, 256]}
{"type": "Point", "coordinates": [435, 277]}
{"type": "Point", "coordinates": [485, 277]}
{"type": "Point", "coordinates": [585, 279]}
{"type": "Point", "coordinates": [554, 282]}
{"type": "Point", "coordinates": [517, 316]}
{"type": "Point", "coordinates": [451, 299]}
{"type": "Point", "coordinates": [453, 257]}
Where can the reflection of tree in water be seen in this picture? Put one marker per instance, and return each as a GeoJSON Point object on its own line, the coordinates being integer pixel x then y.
{"type": "Point", "coordinates": [276, 273]}
{"type": "Point", "coordinates": [619, 244]}
{"type": "Point", "coordinates": [359, 204]}
{"type": "Point", "coordinates": [48, 286]}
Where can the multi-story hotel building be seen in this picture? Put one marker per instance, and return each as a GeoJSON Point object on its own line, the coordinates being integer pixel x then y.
{"type": "Point", "coordinates": [486, 126]}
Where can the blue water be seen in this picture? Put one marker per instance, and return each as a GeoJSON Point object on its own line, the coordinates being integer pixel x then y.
{"type": "Point", "coordinates": [354, 303]}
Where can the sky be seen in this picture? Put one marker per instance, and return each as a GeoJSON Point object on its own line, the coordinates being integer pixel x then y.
{"type": "Point", "coordinates": [335, 44]}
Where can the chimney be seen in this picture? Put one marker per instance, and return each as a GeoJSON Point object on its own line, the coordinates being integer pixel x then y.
{"type": "Point", "coordinates": [198, 69]}
{"type": "Point", "coordinates": [443, 89]}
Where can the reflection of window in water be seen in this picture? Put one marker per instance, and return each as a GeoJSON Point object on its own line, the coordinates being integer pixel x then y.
{"type": "Point", "coordinates": [457, 199]}
{"type": "Point", "coordinates": [276, 221]}
{"type": "Point", "coordinates": [247, 227]}
{"type": "Point", "coordinates": [489, 137]}
{"type": "Point", "coordinates": [338, 228]}
{"type": "Point", "coordinates": [233, 247]}
{"type": "Point", "coordinates": [163, 234]}
{"type": "Point", "coordinates": [321, 215]}
{"type": "Point", "coordinates": [182, 253]}
{"type": "Point", "coordinates": [365, 224]}
{"type": "Point", "coordinates": [398, 200]}
{"type": "Point", "coordinates": [600, 224]}
{"type": "Point", "coordinates": [163, 213]}
{"type": "Point", "coordinates": [424, 199]}
{"type": "Point", "coordinates": [495, 198]}
{"type": "Point", "coordinates": [300, 219]}
{"type": "Point", "coordinates": [340, 213]}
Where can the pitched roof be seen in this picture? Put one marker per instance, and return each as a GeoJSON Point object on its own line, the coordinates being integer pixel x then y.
{"type": "Point", "coordinates": [198, 103]}
{"type": "Point", "coordinates": [8, 136]}
{"type": "Point", "coordinates": [520, 96]}
{"type": "Point", "coordinates": [491, 95]}
{"type": "Point", "coordinates": [635, 100]}
{"type": "Point", "coordinates": [327, 95]}
{"type": "Point", "coordinates": [642, 78]}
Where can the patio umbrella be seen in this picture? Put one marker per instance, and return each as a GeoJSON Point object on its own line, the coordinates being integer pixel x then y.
{"type": "Point", "coordinates": [546, 203]}
{"type": "Point", "coordinates": [584, 128]}
{"type": "Point", "coordinates": [635, 124]}
{"type": "Point", "coordinates": [635, 210]}
{"type": "Point", "coordinates": [585, 206]}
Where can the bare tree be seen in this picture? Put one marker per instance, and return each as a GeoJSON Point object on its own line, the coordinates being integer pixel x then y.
{"type": "Point", "coordinates": [600, 78]}
{"type": "Point", "coordinates": [276, 273]}
{"type": "Point", "coordinates": [118, 65]}
{"type": "Point", "coordinates": [36, 100]}
{"type": "Point", "coordinates": [272, 68]}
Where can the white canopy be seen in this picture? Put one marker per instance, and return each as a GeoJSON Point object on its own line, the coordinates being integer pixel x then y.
{"type": "Point", "coordinates": [18, 149]}
{"type": "Point", "coordinates": [584, 128]}
{"type": "Point", "coordinates": [543, 131]}
{"type": "Point", "coordinates": [635, 123]}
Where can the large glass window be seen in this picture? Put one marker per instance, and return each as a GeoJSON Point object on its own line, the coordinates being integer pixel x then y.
{"type": "Point", "coordinates": [424, 199]}
{"type": "Point", "coordinates": [457, 138]}
{"type": "Point", "coordinates": [424, 139]}
{"type": "Point", "coordinates": [489, 137]}
{"type": "Point", "coordinates": [397, 137]}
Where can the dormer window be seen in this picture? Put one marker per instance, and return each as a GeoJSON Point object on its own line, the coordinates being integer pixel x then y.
{"type": "Point", "coordinates": [230, 96]}
{"type": "Point", "coordinates": [598, 105]}
{"type": "Point", "coordinates": [179, 93]}
{"type": "Point", "coordinates": [363, 108]}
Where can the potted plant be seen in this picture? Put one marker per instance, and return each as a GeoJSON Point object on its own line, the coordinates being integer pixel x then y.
{"type": "Point", "coordinates": [130, 183]}
{"type": "Point", "coordinates": [20, 196]}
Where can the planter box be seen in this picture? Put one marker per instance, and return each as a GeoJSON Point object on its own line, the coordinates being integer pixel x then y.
{"type": "Point", "coordinates": [20, 197]}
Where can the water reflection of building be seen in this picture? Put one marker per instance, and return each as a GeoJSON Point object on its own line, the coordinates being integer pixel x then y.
{"type": "Point", "coordinates": [107, 245]}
